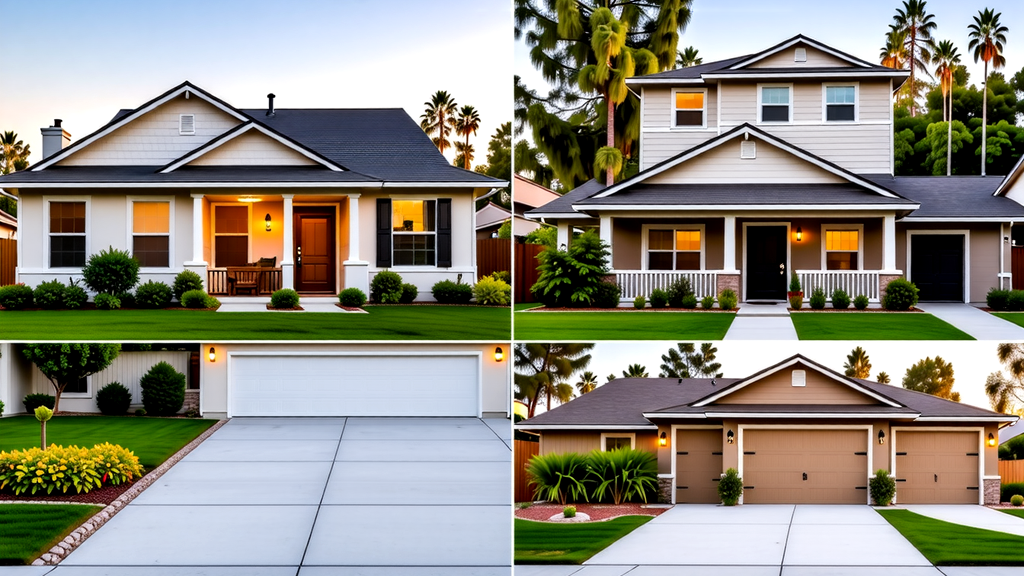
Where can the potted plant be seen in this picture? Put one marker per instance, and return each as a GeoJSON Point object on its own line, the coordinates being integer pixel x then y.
{"type": "Point", "coordinates": [795, 294]}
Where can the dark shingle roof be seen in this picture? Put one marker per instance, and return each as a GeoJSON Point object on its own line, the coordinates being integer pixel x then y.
{"type": "Point", "coordinates": [188, 174]}
{"type": "Point", "coordinates": [749, 194]}
{"type": "Point", "coordinates": [693, 72]}
{"type": "Point", "coordinates": [929, 406]}
{"type": "Point", "coordinates": [564, 204]}
{"type": "Point", "coordinates": [952, 196]}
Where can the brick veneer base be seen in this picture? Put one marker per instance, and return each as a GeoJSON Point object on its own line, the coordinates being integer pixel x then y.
{"type": "Point", "coordinates": [191, 401]}
{"type": "Point", "coordinates": [730, 281]}
{"type": "Point", "coordinates": [991, 487]}
{"type": "Point", "coordinates": [665, 489]}
{"type": "Point", "coordinates": [883, 281]}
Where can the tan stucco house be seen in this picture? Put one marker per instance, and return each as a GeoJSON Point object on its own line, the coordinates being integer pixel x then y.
{"type": "Point", "coordinates": [322, 199]}
{"type": "Point", "coordinates": [797, 432]}
{"type": "Point", "coordinates": [759, 166]}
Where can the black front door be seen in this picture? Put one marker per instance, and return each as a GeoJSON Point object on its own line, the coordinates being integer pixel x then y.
{"type": "Point", "coordinates": [766, 263]}
{"type": "Point", "coordinates": [937, 266]}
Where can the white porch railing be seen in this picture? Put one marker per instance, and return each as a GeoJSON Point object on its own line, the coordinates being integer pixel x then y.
{"type": "Point", "coordinates": [635, 283]}
{"type": "Point", "coordinates": [853, 282]}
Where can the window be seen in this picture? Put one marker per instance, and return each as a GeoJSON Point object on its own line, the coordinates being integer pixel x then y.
{"type": "Point", "coordinates": [611, 441]}
{"type": "Point", "coordinates": [79, 387]}
{"type": "Point", "coordinates": [842, 249]}
{"type": "Point", "coordinates": [413, 230]}
{"type": "Point", "coordinates": [67, 234]}
{"type": "Point", "coordinates": [151, 233]}
{"type": "Point", "coordinates": [775, 103]}
{"type": "Point", "coordinates": [840, 103]}
{"type": "Point", "coordinates": [689, 109]}
{"type": "Point", "coordinates": [675, 248]}
{"type": "Point", "coordinates": [230, 235]}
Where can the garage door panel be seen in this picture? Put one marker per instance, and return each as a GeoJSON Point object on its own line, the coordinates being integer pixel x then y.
{"type": "Point", "coordinates": [935, 467]}
{"type": "Point", "coordinates": [805, 466]}
{"type": "Point", "coordinates": [354, 385]}
{"type": "Point", "coordinates": [698, 466]}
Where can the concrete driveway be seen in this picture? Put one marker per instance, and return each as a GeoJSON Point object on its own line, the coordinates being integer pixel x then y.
{"type": "Point", "coordinates": [317, 496]}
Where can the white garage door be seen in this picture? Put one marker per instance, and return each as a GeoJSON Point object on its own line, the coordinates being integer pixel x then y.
{"type": "Point", "coordinates": [354, 385]}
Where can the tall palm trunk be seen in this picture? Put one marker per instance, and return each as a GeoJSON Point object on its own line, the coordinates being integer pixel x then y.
{"type": "Point", "coordinates": [610, 174]}
{"type": "Point", "coordinates": [913, 60]}
{"type": "Point", "coordinates": [949, 134]}
{"type": "Point", "coordinates": [984, 120]}
{"type": "Point", "coordinates": [465, 152]}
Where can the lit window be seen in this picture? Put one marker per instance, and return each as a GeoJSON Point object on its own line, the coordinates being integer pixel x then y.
{"type": "Point", "coordinates": [67, 234]}
{"type": "Point", "coordinates": [842, 248]}
{"type": "Point", "coordinates": [840, 103]}
{"type": "Point", "coordinates": [689, 109]}
{"type": "Point", "coordinates": [775, 104]}
{"type": "Point", "coordinates": [669, 249]}
{"type": "Point", "coordinates": [414, 232]}
{"type": "Point", "coordinates": [230, 235]}
{"type": "Point", "coordinates": [151, 229]}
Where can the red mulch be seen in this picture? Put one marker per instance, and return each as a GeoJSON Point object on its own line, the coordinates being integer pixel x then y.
{"type": "Point", "coordinates": [646, 310]}
{"type": "Point", "coordinates": [349, 308]}
{"type": "Point", "coordinates": [103, 495]}
{"type": "Point", "coordinates": [854, 310]}
{"type": "Point", "coordinates": [542, 512]}
{"type": "Point", "coordinates": [297, 308]}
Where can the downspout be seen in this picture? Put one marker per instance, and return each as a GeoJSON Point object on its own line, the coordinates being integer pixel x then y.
{"type": "Point", "coordinates": [718, 112]}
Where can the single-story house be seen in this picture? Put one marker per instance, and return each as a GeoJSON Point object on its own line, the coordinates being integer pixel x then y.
{"type": "Point", "coordinates": [797, 432]}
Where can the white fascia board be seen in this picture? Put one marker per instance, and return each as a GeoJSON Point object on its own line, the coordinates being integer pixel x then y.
{"type": "Point", "coordinates": [103, 185]}
{"type": "Point", "coordinates": [837, 74]}
{"type": "Point", "coordinates": [585, 427]}
{"type": "Point", "coordinates": [1002, 219]}
{"type": "Point", "coordinates": [438, 185]}
{"type": "Point", "coordinates": [637, 80]}
{"type": "Point", "coordinates": [727, 207]}
{"type": "Point", "coordinates": [820, 415]}
{"type": "Point", "coordinates": [797, 40]}
{"type": "Point", "coordinates": [1013, 175]}
{"type": "Point", "coordinates": [206, 148]}
{"type": "Point", "coordinates": [1005, 418]}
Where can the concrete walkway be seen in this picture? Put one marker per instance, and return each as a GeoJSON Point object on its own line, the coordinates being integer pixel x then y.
{"type": "Point", "coordinates": [259, 304]}
{"type": "Point", "coordinates": [975, 516]}
{"type": "Point", "coordinates": [979, 324]}
{"type": "Point", "coordinates": [761, 322]}
{"type": "Point", "coordinates": [318, 496]}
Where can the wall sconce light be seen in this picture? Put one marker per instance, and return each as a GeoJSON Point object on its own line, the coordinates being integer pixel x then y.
{"type": "Point", "coordinates": [663, 439]}
{"type": "Point", "coordinates": [562, 247]}
{"type": "Point", "coordinates": [799, 234]}
{"type": "Point", "coordinates": [730, 437]}
{"type": "Point", "coordinates": [499, 354]}
{"type": "Point", "coordinates": [881, 436]}
{"type": "Point", "coordinates": [991, 439]}
{"type": "Point", "coordinates": [213, 354]}
{"type": "Point", "coordinates": [267, 220]}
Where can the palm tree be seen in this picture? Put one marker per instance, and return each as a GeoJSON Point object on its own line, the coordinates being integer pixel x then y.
{"type": "Point", "coordinates": [918, 25]}
{"type": "Point", "coordinates": [464, 154]}
{"type": "Point", "coordinates": [542, 370]}
{"type": "Point", "coordinates": [858, 365]}
{"type": "Point", "coordinates": [883, 378]}
{"type": "Point", "coordinates": [894, 53]}
{"type": "Point", "coordinates": [14, 153]}
{"type": "Point", "coordinates": [587, 383]}
{"type": "Point", "coordinates": [947, 59]}
{"type": "Point", "coordinates": [635, 371]}
{"type": "Point", "coordinates": [439, 117]}
{"type": "Point", "coordinates": [987, 39]}
{"type": "Point", "coordinates": [466, 125]}
{"type": "Point", "coordinates": [688, 57]}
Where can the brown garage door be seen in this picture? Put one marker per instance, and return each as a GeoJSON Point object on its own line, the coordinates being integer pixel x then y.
{"type": "Point", "coordinates": [805, 466]}
{"type": "Point", "coordinates": [698, 466]}
{"type": "Point", "coordinates": [937, 467]}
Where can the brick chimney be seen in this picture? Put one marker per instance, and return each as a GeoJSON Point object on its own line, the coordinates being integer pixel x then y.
{"type": "Point", "coordinates": [55, 139]}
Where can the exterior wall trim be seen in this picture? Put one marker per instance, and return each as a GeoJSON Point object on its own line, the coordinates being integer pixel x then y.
{"type": "Point", "coordinates": [860, 242]}
{"type": "Point", "coordinates": [46, 233]}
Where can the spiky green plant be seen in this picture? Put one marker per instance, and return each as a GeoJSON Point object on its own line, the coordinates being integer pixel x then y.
{"type": "Point", "coordinates": [558, 477]}
{"type": "Point", "coordinates": [622, 475]}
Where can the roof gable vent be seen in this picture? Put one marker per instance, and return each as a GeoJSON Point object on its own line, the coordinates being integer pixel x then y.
{"type": "Point", "coordinates": [799, 378]}
{"type": "Point", "coordinates": [748, 150]}
{"type": "Point", "coordinates": [187, 124]}
{"type": "Point", "coordinates": [800, 55]}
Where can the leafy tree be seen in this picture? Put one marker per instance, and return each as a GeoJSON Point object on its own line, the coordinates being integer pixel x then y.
{"type": "Point", "coordinates": [505, 231]}
{"type": "Point", "coordinates": [917, 25]}
{"type": "Point", "coordinates": [882, 378]}
{"type": "Point", "coordinates": [1006, 393]}
{"type": "Point", "coordinates": [543, 370]}
{"type": "Point", "coordinates": [987, 38]}
{"type": "Point", "coordinates": [684, 361]}
{"type": "Point", "coordinates": [858, 365]}
{"type": "Point", "coordinates": [940, 136]}
{"type": "Point", "coordinates": [63, 364]}
{"type": "Point", "coordinates": [13, 153]}
{"type": "Point", "coordinates": [933, 377]}
{"type": "Point", "coordinates": [587, 383]}
{"type": "Point", "coordinates": [466, 124]}
{"type": "Point", "coordinates": [530, 164]}
{"type": "Point", "coordinates": [635, 371]}
{"type": "Point", "coordinates": [546, 235]}
{"type": "Point", "coordinates": [894, 55]}
{"type": "Point", "coordinates": [688, 57]}
{"type": "Point", "coordinates": [439, 118]}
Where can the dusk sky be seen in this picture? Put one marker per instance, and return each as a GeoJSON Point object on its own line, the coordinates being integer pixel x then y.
{"type": "Point", "coordinates": [82, 61]}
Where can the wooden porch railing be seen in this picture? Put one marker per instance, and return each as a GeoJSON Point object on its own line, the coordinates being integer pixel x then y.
{"type": "Point", "coordinates": [635, 283]}
{"type": "Point", "coordinates": [217, 281]}
{"type": "Point", "coordinates": [853, 282]}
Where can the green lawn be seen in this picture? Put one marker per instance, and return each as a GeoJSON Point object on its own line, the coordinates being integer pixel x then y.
{"type": "Point", "coordinates": [587, 326]}
{"type": "Point", "coordinates": [1018, 512]}
{"type": "Point", "coordinates": [153, 440]}
{"type": "Point", "coordinates": [380, 323]}
{"type": "Point", "coordinates": [549, 543]}
{"type": "Point", "coordinates": [947, 544]}
{"type": "Point", "coordinates": [1015, 317]}
{"type": "Point", "coordinates": [874, 326]}
{"type": "Point", "coordinates": [29, 530]}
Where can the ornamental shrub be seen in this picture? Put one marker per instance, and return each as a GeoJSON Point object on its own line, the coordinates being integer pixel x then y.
{"type": "Point", "coordinates": [818, 299]}
{"type": "Point", "coordinates": [1, 408]}
{"type": "Point", "coordinates": [140, 412]}
{"type": "Point", "coordinates": [840, 299]}
{"type": "Point", "coordinates": [569, 512]}
{"type": "Point", "coordinates": [409, 294]}
{"type": "Point", "coordinates": [606, 295]}
{"type": "Point", "coordinates": [659, 298]}
{"type": "Point", "coordinates": [900, 294]}
{"type": "Point", "coordinates": [996, 299]}
{"type": "Point", "coordinates": [1008, 491]}
{"type": "Point", "coordinates": [163, 390]}
{"type": "Point", "coordinates": [33, 401]}
{"type": "Point", "coordinates": [113, 399]}
{"type": "Point", "coordinates": [212, 303]}
{"type": "Point", "coordinates": [678, 291]}
{"type": "Point", "coordinates": [75, 296]}
{"type": "Point", "coordinates": [492, 292]}
{"type": "Point", "coordinates": [503, 275]}
{"type": "Point", "coordinates": [882, 487]}
{"type": "Point", "coordinates": [689, 302]}
{"type": "Point", "coordinates": [730, 487]}
{"type": "Point", "coordinates": [386, 287]}
{"type": "Point", "coordinates": [558, 477]}
{"type": "Point", "coordinates": [572, 277]}
{"type": "Point", "coordinates": [105, 301]}
{"type": "Point", "coordinates": [186, 281]}
{"type": "Point", "coordinates": [860, 302]}
{"type": "Point", "coordinates": [15, 297]}
{"type": "Point", "coordinates": [61, 469]}
{"type": "Point", "coordinates": [1015, 301]}
{"type": "Point", "coordinates": [1017, 500]}
{"type": "Point", "coordinates": [352, 298]}
{"type": "Point", "coordinates": [707, 302]}
{"type": "Point", "coordinates": [639, 302]}
{"type": "Point", "coordinates": [284, 298]}
{"type": "Point", "coordinates": [195, 299]}
{"type": "Point", "coordinates": [111, 271]}
{"type": "Point", "coordinates": [49, 295]}
{"type": "Point", "coordinates": [622, 475]}
{"type": "Point", "coordinates": [794, 283]}
{"type": "Point", "coordinates": [727, 300]}
{"type": "Point", "coordinates": [153, 294]}
{"type": "Point", "coordinates": [448, 292]}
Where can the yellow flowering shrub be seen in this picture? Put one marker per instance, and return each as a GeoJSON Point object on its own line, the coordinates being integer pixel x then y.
{"type": "Point", "coordinates": [60, 468]}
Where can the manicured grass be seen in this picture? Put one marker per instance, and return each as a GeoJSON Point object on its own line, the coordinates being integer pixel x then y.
{"type": "Point", "coordinates": [1018, 512]}
{"type": "Point", "coordinates": [29, 530]}
{"type": "Point", "coordinates": [1015, 317]}
{"type": "Point", "coordinates": [947, 544]}
{"type": "Point", "coordinates": [153, 440]}
{"type": "Point", "coordinates": [873, 326]}
{"type": "Point", "coordinates": [580, 326]}
{"type": "Point", "coordinates": [547, 543]}
{"type": "Point", "coordinates": [380, 323]}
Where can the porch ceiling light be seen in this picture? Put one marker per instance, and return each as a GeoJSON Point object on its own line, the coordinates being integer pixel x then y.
{"type": "Point", "coordinates": [213, 354]}
{"type": "Point", "coordinates": [799, 234]}
{"type": "Point", "coordinates": [267, 220]}
{"type": "Point", "coordinates": [991, 439]}
{"type": "Point", "coordinates": [663, 439]}
{"type": "Point", "coordinates": [730, 437]}
{"type": "Point", "coordinates": [499, 354]}
{"type": "Point", "coordinates": [249, 199]}
{"type": "Point", "coordinates": [881, 436]}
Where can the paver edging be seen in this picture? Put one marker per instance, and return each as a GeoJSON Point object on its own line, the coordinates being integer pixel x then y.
{"type": "Point", "coordinates": [82, 533]}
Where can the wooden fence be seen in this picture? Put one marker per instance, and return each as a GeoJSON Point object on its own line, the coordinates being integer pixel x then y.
{"type": "Point", "coordinates": [8, 260]}
{"type": "Point", "coordinates": [1011, 471]}
{"type": "Point", "coordinates": [493, 255]}
{"type": "Point", "coordinates": [523, 451]}
{"type": "Point", "coordinates": [526, 273]}
{"type": "Point", "coordinates": [1017, 267]}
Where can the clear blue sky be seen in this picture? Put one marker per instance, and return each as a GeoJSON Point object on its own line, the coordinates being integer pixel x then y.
{"type": "Point", "coordinates": [82, 61]}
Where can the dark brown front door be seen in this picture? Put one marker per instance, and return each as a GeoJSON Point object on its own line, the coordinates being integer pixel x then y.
{"type": "Point", "coordinates": [314, 249]}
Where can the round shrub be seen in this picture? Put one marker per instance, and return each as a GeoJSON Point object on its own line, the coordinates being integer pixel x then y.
{"type": "Point", "coordinates": [140, 412]}
{"type": "Point", "coordinates": [678, 291]}
{"type": "Point", "coordinates": [730, 487]}
{"type": "Point", "coordinates": [153, 295]}
{"type": "Point", "coordinates": [860, 302]}
{"type": "Point", "coordinates": [1015, 301]}
{"type": "Point", "coordinates": [185, 281]}
{"type": "Point", "coordinates": [503, 275]}
{"type": "Point", "coordinates": [212, 303]}
{"type": "Point", "coordinates": [15, 297]}
{"type": "Point", "coordinates": [689, 302]}
{"type": "Point", "coordinates": [386, 287]}
{"type": "Point", "coordinates": [727, 300]}
{"type": "Point", "coordinates": [639, 302]}
{"type": "Point", "coordinates": [707, 302]}
{"type": "Point", "coordinates": [448, 292]}
{"type": "Point", "coordinates": [49, 295]}
{"type": "Point", "coordinates": [818, 299]}
{"type": "Point", "coordinates": [33, 401]}
{"type": "Point", "coordinates": [883, 488]}
{"type": "Point", "coordinates": [196, 299]}
{"type": "Point", "coordinates": [1008, 491]}
{"type": "Point", "coordinates": [996, 299]}
{"type": "Point", "coordinates": [111, 271]}
{"type": "Point", "coordinates": [606, 295]}
{"type": "Point", "coordinates": [659, 298]}
{"type": "Point", "coordinates": [1017, 500]}
{"type": "Point", "coordinates": [284, 298]}
{"type": "Point", "coordinates": [75, 296]}
{"type": "Point", "coordinates": [492, 292]}
{"type": "Point", "coordinates": [409, 294]}
{"type": "Point", "coordinates": [840, 299]}
{"type": "Point", "coordinates": [352, 298]}
{"type": "Point", "coordinates": [900, 294]}
{"type": "Point", "coordinates": [107, 302]}
{"type": "Point", "coordinates": [569, 512]}
{"type": "Point", "coordinates": [163, 390]}
{"type": "Point", "coordinates": [113, 399]}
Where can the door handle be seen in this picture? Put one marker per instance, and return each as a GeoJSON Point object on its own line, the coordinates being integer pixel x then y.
{"type": "Point", "coordinates": [936, 477]}
{"type": "Point", "coordinates": [298, 255]}
{"type": "Point", "coordinates": [805, 475]}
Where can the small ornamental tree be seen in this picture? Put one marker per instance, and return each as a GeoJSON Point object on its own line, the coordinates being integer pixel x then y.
{"type": "Point", "coordinates": [63, 364]}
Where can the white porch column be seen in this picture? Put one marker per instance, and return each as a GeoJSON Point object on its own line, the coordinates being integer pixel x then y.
{"type": "Point", "coordinates": [562, 242]}
{"type": "Point", "coordinates": [606, 237]}
{"type": "Point", "coordinates": [197, 264]}
{"type": "Point", "coordinates": [889, 243]}
{"type": "Point", "coordinates": [357, 271]}
{"type": "Point", "coordinates": [729, 265]}
{"type": "Point", "coordinates": [288, 247]}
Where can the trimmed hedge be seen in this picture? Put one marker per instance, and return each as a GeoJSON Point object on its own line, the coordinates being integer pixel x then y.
{"type": "Point", "coordinates": [409, 294]}
{"type": "Point", "coordinates": [196, 299]}
{"type": "Point", "coordinates": [448, 292]}
{"type": "Point", "coordinates": [153, 294]}
{"type": "Point", "coordinates": [33, 401]}
{"type": "Point", "coordinates": [659, 298]}
{"type": "Point", "coordinates": [284, 298]}
{"type": "Point", "coordinates": [678, 292]}
{"type": "Point", "coordinates": [606, 295]}
{"type": "Point", "coordinates": [186, 281]}
{"type": "Point", "coordinates": [997, 299]}
{"type": "Point", "coordinates": [900, 294]}
{"type": "Point", "coordinates": [386, 287]}
{"type": "Point", "coordinates": [49, 295]}
{"type": "Point", "coordinates": [840, 299]}
{"type": "Point", "coordinates": [113, 399]}
{"type": "Point", "coordinates": [111, 271]}
{"type": "Point", "coordinates": [16, 297]}
{"type": "Point", "coordinates": [1007, 491]}
{"type": "Point", "coordinates": [352, 298]}
{"type": "Point", "coordinates": [860, 302]}
{"type": "Point", "coordinates": [727, 299]}
{"type": "Point", "coordinates": [61, 469]}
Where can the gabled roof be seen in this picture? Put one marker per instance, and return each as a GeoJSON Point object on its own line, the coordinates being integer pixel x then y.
{"type": "Point", "coordinates": [801, 39]}
{"type": "Point", "coordinates": [562, 206]}
{"type": "Point", "coordinates": [952, 198]}
{"type": "Point", "coordinates": [491, 214]}
{"type": "Point", "coordinates": [1010, 178]}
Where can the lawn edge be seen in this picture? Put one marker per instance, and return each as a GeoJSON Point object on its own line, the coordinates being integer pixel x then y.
{"type": "Point", "coordinates": [524, 562]}
{"type": "Point", "coordinates": [90, 526]}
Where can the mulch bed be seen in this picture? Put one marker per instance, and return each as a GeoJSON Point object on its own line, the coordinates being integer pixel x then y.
{"type": "Point", "coordinates": [103, 495]}
{"type": "Point", "coordinates": [855, 311]}
{"type": "Point", "coordinates": [597, 512]}
{"type": "Point", "coordinates": [295, 309]}
{"type": "Point", "coordinates": [349, 308]}
{"type": "Point", "coordinates": [644, 310]}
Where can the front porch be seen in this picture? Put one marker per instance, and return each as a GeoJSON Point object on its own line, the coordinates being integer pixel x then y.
{"type": "Point", "coordinates": [635, 283]}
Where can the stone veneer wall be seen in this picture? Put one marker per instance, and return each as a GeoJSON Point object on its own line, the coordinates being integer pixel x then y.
{"type": "Point", "coordinates": [191, 401]}
{"type": "Point", "coordinates": [665, 482]}
{"type": "Point", "coordinates": [991, 487]}
{"type": "Point", "coordinates": [883, 282]}
{"type": "Point", "coordinates": [730, 281]}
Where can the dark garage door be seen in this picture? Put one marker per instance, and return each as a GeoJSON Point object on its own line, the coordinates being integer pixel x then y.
{"type": "Point", "coordinates": [937, 266]}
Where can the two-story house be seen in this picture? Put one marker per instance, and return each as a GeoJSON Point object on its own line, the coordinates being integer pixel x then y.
{"type": "Point", "coordinates": [756, 167]}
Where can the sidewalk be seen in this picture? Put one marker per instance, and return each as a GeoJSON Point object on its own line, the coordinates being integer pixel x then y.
{"type": "Point", "coordinates": [979, 324]}
{"type": "Point", "coordinates": [762, 322]}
